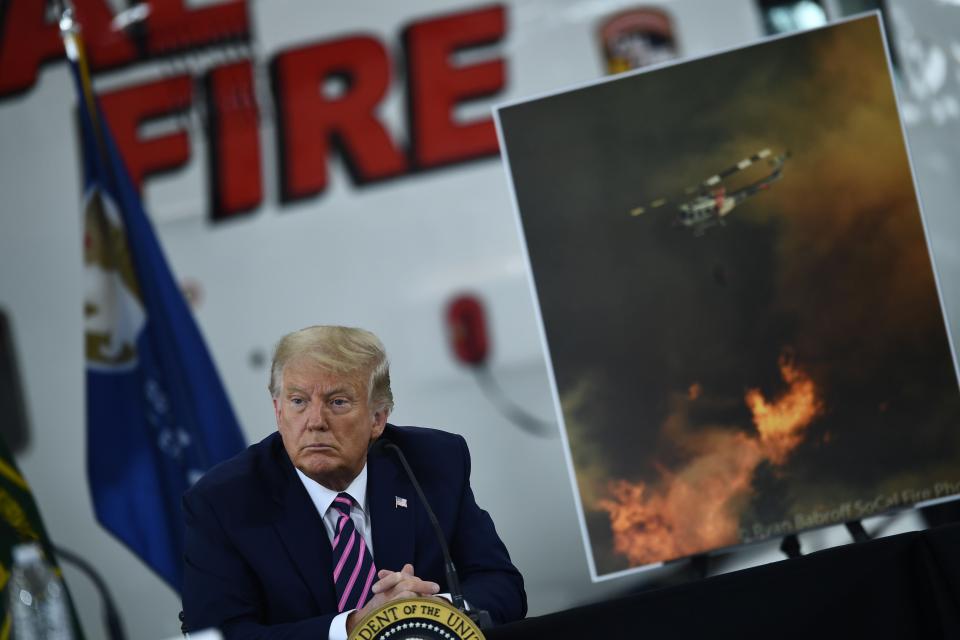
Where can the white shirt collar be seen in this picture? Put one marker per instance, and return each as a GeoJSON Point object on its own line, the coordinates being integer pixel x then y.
{"type": "Point", "coordinates": [322, 497]}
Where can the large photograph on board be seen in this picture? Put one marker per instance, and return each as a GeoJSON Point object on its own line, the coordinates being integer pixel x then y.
{"type": "Point", "coordinates": [737, 297]}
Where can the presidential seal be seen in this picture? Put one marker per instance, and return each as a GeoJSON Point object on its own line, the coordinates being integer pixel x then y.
{"type": "Point", "coordinates": [417, 619]}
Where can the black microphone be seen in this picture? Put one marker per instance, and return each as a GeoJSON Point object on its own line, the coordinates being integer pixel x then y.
{"type": "Point", "coordinates": [480, 617]}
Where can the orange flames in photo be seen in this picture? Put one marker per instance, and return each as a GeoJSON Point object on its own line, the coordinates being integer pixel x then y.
{"type": "Point", "coordinates": [698, 506]}
{"type": "Point", "coordinates": [781, 424]}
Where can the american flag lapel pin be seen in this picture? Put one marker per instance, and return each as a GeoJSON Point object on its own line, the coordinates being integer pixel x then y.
{"type": "Point", "coordinates": [399, 503]}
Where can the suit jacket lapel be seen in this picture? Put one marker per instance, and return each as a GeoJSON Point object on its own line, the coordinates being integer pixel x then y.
{"type": "Point", "coordinates": [301, 529]}
{"type": "Point", "coordinates": [393, 525]}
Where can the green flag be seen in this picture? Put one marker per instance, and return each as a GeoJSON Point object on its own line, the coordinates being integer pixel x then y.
{"type": "Point", "coordinates": [20, 523]}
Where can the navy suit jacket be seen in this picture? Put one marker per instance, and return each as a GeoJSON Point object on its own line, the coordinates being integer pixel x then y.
{"type": "Point", "coordinates": [258, 562]}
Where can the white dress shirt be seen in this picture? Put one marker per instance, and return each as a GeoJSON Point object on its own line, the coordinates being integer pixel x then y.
{"type": "Point", "coordinates": [323, 500]}
{"type": "Point", "coordinates": [360, 515]}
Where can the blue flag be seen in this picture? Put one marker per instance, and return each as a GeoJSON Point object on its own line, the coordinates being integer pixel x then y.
{"type": "Point", "coordinates": [157, 414]}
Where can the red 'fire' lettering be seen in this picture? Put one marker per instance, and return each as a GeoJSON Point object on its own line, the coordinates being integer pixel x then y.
{"type": "Point", "coordinates": [311, 120]}
{"type": "Point", "coordinates": [127, 109]}
{"type": "Point", "coordinates": [436, 86]}
{"type": "Point", "coordinates": [173, 27]}
{"type": "Point", "coordinates": [314, 113]}
{"type": "Point", "coordinates": [27, 40]}
{"type": "Point", "coordinates": [234, 140]}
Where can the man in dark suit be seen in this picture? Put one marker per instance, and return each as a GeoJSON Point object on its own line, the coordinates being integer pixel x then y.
{"type": "Point", "coordinates": [307, 531]}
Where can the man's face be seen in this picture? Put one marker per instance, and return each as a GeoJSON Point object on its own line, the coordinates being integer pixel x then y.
{"type": "Point", "coordinates": [325, 422]}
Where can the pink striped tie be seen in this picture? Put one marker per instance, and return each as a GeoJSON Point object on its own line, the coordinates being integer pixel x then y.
{"type": "Point", "coordinates": [353, 568]}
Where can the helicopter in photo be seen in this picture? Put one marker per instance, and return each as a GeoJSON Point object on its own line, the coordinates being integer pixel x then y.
{"type": "Point", "coordinates": [708, 203]}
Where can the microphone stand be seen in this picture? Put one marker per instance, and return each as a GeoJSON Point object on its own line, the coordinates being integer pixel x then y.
{"type": "Point", "coordinates": [480, 617]}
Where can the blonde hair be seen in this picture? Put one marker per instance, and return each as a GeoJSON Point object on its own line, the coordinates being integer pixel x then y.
{"type": "Point", "coordinates": [340, 350]}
